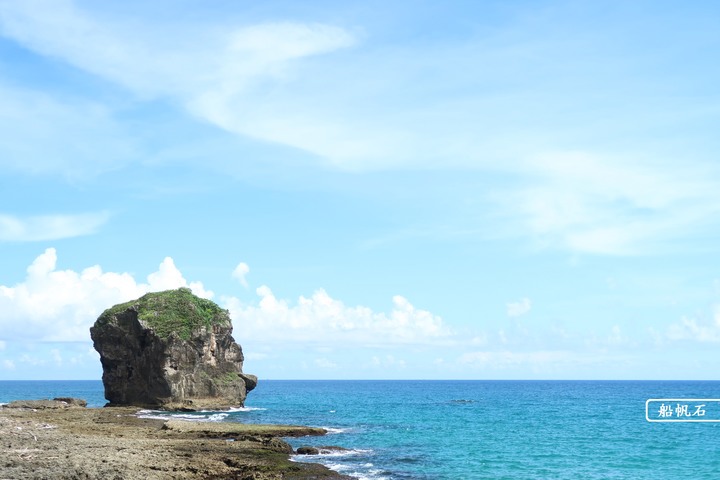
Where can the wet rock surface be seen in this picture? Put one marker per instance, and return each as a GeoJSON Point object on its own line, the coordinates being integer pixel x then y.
{"type": "Point", "coordinates": [114, 443]}
{"type": "Point", "coordinates": [307, 451]}
{"type": "Point", "coordinates": [321, 450]}
{"type": "Point", "coordinates": [170, 350]}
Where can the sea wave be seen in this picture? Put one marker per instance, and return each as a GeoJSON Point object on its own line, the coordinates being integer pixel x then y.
{"type": "Point", "coordinates": [199, 416]}
{"type": "Point", "coordinates": [361, 472]}
{"type": "Point", "coordinates": [195, 417]}
{"type": "Point", "coordinates": [331, 458]}
{"type": "Point", "coordinates": [336, 430]}
{"type": "Point", "coordinates": [152, 414]}
{"type": "Point", "coordinates": [234, 410]}
{"type": "Point", "coordinates": [246, 409]}
{"type": "Point", "coordinates": [330, 452]}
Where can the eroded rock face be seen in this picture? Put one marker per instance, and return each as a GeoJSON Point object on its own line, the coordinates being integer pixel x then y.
{"type": "Point", "coordinates": [170, 350]}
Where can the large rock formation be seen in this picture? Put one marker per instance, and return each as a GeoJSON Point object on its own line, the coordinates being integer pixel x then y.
{"type": "Point", "coordinates": [170, 350]}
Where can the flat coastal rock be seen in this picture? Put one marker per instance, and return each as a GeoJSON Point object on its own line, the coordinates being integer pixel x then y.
{"type": "Point", "coordinates": [170, 350]}
{"type": "Point", "coordinates": [231, 429]}
{"type": "Point", "coordinates": [64, 402]}
{"type": "Point", "coordinates": [115, 444]}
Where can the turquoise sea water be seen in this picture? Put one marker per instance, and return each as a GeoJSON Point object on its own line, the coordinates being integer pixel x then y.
{"type": "Point", "coordinates": [476, 429]}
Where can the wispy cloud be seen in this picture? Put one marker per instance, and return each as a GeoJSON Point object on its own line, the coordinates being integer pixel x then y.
{"type": "Point", "coordinates": [504, 359]}
{"type": "Point", "coordinates": [325, 364]}
{"type": "Point", "coordinates": [387, 362]}
{"type": "Point", "coordinates": [609, 204]}
{"type": "Point", "coordinates": [73, 137]}
{"type": "Point", "coordinates": [222, 75]}
{"type": "Point", "coordinates": [521, 307]}
{"type": "Point", "coordinates": [695, 330]}
{"type": "Point", "coordinates": [295, 83]}
{"type": "Point", "coordinates": [49, 227]}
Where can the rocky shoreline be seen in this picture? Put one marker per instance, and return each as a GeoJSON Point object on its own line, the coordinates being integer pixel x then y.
{"type": "Point", "coordinates": [61, 439]}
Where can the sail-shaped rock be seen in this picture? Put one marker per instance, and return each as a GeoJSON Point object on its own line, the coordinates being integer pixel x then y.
{"type": "Point", "coordinates": [170, 350]}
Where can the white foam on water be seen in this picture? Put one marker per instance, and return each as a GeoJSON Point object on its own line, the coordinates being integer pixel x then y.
{"type": "Point", "coordinates": [151, 414]}
{"type": "Point", "coordinates": [246, 409]}
{"type": "Point", "coordinates": [233, 410]}
{"type": "Point", "coordinates": [217, 417]}
{"type": "Point", "coordinates": [200, 416]}
{"type": "Point", "coordinates": [335, 430]}
{"type": "Point", "coordinates": [188, 416]}
{"type": "Point", "coordinates": [370, 476]}
{"type": "Point", "coordinates": [352, 471]}
{"type": "Point", "coordinates": [330, 459]}
{"type": "Point", "coordinates": [331, 454]}
{"type": "Point", "coordinates": [338, 467]}
{"type": "Point", "coordinates": [343, 453]}
{"type": "Point", "coordinates": [161, 415]}
{"type": "Point", "coordinates": [373, 474]}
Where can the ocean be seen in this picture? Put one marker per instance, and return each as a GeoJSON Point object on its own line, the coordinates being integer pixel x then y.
{"type": "Point", "coordinates": [479, 429]}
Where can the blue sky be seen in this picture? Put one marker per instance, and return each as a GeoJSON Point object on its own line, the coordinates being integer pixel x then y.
{"type": "Point", "coordinates": [479, 190]}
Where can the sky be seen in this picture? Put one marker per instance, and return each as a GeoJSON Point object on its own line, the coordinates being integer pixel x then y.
{"type": "Point", "coordinates": [374, 190]}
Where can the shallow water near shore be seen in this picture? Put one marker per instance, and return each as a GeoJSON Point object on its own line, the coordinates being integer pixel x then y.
{"type": "Point", "coordinates": [472, 429]}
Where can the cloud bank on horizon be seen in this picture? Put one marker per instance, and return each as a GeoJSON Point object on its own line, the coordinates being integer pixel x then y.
{"type": "Point", "coordinates": [449, 190]}
{"type": "Point", "coordinates": [53, 305]}
{"type": "Point", "coordinates": [56, 307]}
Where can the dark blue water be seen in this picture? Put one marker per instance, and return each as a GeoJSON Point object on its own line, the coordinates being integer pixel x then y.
{"type": "Point", "coordinates": [476, 429]}
{"type": "Point", "coordinates": [90, 390]}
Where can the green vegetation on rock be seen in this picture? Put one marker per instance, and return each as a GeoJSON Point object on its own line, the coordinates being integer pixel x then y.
{"type": "Point", "coordinates": [171, 311]}
{"type": "Point", "coordinates": [229, 377]}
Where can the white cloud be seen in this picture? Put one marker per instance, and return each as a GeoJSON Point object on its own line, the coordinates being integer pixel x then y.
{"type": "Point", "coordinates": [256, 356]}
{"type": "Point", "coordinates": [8, 365]}
{"type": "Point", "coordinates": [259, 80]}
{"type": "Point", "coordinates": [390, 362]}
{"type": "Point", "coordinates": [280, 82]}
{"type": "Point", "coordinates": [612, 205]}
{"type": "Point", "coordinates": [326, 364]}
{"type": "Point", "coordinates": [34, 361]}
{"type": "Point", "coordinates": [506, 358]}
{"type": "Point", "coordinates": [158, 58]}
{"type": "Point", "coordinates": [45, 133]}
{"type": "Point", "coordinates": [3, 344]}
{"type": "Point", "coordinates": [323, 319]}
{"type": "Point", "coordinates": [169, 277]}
{"type": "Point", "coordinates": [56, 357]}
{"type": "Point", "coordinates": [221, 75]}
{"type": "Point", "coordinates": [690, 329]}
{"type": "Point", "coordinates": [516, 309]}
{"type": "Point", "coordinates": [61, 305]}
{"type": "Point", "coordinates": [616, 336]}
{"type": "Point", "coordinates": [240, 272]}
{"type": "Point", "coordinates": [49, 227]}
